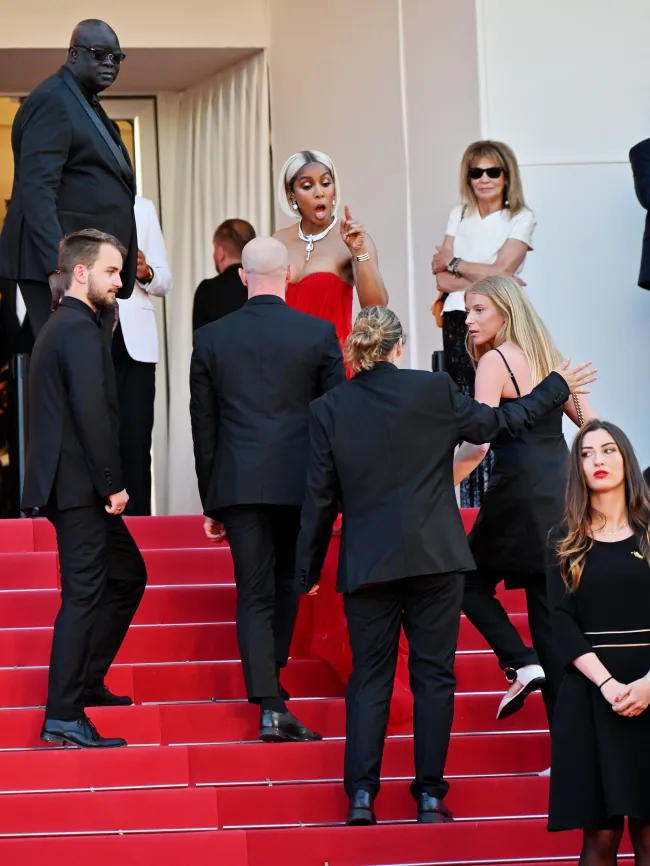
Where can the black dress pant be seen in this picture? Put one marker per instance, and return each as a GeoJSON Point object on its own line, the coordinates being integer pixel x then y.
{"type": "Point", "coordinates": [103, 577]}
{"type": "Point", "coordinates": [487, 614]}
{"type": "Point", "coordinates": [428, 607]}
{"type": "Point", "coordinates": [262, 541]}
{"type": "Point", "coordinates": [136, 386]}
{"type": "Point", "coordinates": [38, 301]}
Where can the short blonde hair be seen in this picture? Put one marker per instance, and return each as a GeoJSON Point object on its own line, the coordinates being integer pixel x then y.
{"type": "Point", "coordinates": [501, 154]}
{"type": "Point", "coordinates": [522, 326]}
{"type": "Point", "coordinates": [290, 170]}
{"type": "Point", "coordinates": [376, 332]}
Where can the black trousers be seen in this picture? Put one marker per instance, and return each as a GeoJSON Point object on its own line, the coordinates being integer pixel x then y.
{"type": "Point", "coordinates": [38, 301]}
{"type": "Point", "coordinates": [136, 385]}
{"type": "Point", "coordinates": [429, 609]}
{"type": "Point", "coordinates": [486, 613]}
{"type": "Point", "coordinates": [263, 545]}
{"type": "Point", "coordinates": [103, 577]}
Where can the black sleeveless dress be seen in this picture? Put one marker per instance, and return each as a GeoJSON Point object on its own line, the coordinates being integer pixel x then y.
{"type": "Point", "coordinates": [523, 501]}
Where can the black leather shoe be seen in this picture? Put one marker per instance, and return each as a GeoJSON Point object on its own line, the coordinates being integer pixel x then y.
{"type": "Point", "coordinates": [105, 698]}
{"type": "Point", "coordinates": [284, 728]}
{"type": "Point", "coordinates": [362, 811]}
{"type": "Point", "coordinates": [80, 732]}
{"type": "Point", "coordinates": [431, 810]}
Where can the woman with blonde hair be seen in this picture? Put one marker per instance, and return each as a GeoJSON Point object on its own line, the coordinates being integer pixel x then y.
{"type": "Point", "coordinates": [599, 593]}
{"type": "Point", "coordinates": [513, 351]}
{"type": "Point", "coordinates": [328, 255]}
{"type": "Point", "coordinates": [489, 232]}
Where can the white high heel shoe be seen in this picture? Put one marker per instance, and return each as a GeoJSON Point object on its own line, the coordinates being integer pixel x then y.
{"type": "Point", "coordinates": [528, 679]}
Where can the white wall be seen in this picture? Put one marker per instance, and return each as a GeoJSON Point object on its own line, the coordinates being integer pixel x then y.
{"type": "Point", "coordinates": [566, 84]}
{"type": "Point", "coordinates": [335, 87]}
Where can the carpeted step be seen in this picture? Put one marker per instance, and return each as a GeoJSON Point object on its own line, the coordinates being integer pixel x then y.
{"type": "Point", "coordinates": [28, 570]}
{"type": "Point", "coordinates": [203, 641]}
{"type": "Point", "coordinates": [145, 849]}
{"type": "Point", "coordinates": [412, 844]}
{"type": "Point", "coordinates": [207, 681]}
{"type": "Point", "coordinates": [326, 803]}
{"type": "Point", "coordinates": [108, 811]}
{"type": "Point", "coordinates": [237, 720]}
{"type": "Point", "coordinates": [51, 769]}
{"type": "Point", "coordinates": [250, 763]}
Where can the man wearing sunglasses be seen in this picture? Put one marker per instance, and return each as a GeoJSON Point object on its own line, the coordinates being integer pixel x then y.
{"type": "Point", "coordinates": [71, 172]}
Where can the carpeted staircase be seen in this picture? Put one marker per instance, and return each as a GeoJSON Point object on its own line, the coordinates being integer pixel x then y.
{"type": "Point", "coordinates": [194, 787]}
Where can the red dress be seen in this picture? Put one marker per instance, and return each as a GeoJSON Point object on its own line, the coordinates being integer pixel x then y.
{"type": "Point", "coordinates": [321, 630]}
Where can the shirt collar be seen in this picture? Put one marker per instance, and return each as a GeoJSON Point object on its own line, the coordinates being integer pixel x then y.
{"type": "Point", "coordinates": [265, 299]}
{"type": "Point", "coordinates": [80, 306]}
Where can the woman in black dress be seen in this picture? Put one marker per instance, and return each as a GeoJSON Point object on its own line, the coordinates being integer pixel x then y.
{"type": "Point", "coordinates": [599, 593]}
{"type": "Point", "coordinates": [525, 494]}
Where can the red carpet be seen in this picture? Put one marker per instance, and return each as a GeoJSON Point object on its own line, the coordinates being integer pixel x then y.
{"type": "Point", "coordinates": [190, 788]}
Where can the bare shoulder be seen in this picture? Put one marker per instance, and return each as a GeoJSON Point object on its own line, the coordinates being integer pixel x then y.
{"type": "Point", "coordinates": [285, 235]}
{"type": "Point", "coordinates": [491, 363]}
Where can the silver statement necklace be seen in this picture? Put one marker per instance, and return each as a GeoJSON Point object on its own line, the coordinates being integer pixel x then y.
{"type": "Point", "coordinates": [310, 240]}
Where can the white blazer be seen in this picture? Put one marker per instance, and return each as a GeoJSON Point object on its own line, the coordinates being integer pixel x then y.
{"type": "Point", "coordinates": [137, 315]}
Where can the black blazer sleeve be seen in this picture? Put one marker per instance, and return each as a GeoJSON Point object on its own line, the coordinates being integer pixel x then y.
{"type": "Point", "coordinates": [198, 313]}
{"type": "Point", "coordinates": [640, 162]}
{"type": "Point", "coordinates": [321, 503]}
{"type": "Point", "coordinates": [332, 369]}
{"type": "Point", "coordinates": [478, 422]}
{"type": "Point", "coordinates": [204, 414]}
{"type": "Point", "coordinates": [568, 638]}
{"type": "Point", "coordinates": [46, 138]}
{"type": "Point", "coordinates": [84, 371]}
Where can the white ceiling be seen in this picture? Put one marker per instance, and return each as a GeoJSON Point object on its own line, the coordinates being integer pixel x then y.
{"type": "Point", "coordinates": [145, 70]}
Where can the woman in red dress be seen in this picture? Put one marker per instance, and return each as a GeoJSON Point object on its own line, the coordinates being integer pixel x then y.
{"type": "Point", "coordinates": [329, 258]}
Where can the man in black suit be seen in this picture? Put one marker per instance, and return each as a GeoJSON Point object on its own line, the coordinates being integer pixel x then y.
{"type": "Point", "coordinates": [71, 171]}
{"type": "Point", "coordinates": [73, 476]}
{"type": "Point", "coordinates": [640, 161]}
{"type": "Point", "coordinates": [224, 293]}
{"type": "Point", "coordinates": [252, 377]}
{"type": "Point", "coordinates": [383, 444]}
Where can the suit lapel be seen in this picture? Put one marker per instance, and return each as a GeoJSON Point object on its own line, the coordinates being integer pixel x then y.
{"type": "Point", "coordinates": [123, 163]}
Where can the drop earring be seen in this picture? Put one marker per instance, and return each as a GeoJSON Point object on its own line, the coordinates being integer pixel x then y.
{"type": "Point", "coordinates": [295, 205]}
{"type": "Point", "coordinates": [505, 196]}
{"type": "Point", "coordinates": [333, 202]}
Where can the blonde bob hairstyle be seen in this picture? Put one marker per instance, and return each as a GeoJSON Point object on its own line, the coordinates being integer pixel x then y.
{"type": "Point", "coordinates": [522, 326]}
{"type": "Point", "coordinates": [289, 172]}
{"type": "Point", "coordinates": [376, 332]}
{"type": "Point", "coordinates": [501, 154]}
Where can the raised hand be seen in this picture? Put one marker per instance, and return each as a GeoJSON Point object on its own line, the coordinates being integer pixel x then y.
{"type": "Point", "coordinates": [353, 233]}
{"type": "Point", "coordinates": [577, 377]}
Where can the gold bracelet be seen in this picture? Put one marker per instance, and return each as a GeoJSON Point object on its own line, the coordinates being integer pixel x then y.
{"type": "Point", "coordinates": [363, 257]}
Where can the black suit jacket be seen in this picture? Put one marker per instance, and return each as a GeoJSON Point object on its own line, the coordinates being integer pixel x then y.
{"type": "Point", "coordinates": [384, 444]}
{"type": "Point", "coordinates": [640, 161]}
{"type": "Point", "coordinates": [66, 178]}
{"type": "Point", "coordinates": [72, 448]}
{"type": "Point", "coordinates": [252, 378]}
{"type": "Point", "coordinates": [218, 297]}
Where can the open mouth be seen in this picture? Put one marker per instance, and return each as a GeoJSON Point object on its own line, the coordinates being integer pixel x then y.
{"type": "Point", "coordinates": [320, 211]}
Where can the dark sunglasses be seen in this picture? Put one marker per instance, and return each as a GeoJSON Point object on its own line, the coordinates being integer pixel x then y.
{"type": "Point", "coordinates": [494, 172]}
{"type": "Point", "coordinates": [101, 55]}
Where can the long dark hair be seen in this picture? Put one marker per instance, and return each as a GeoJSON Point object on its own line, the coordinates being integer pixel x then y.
{"type": "Point", "coordinates": [577, 540]}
